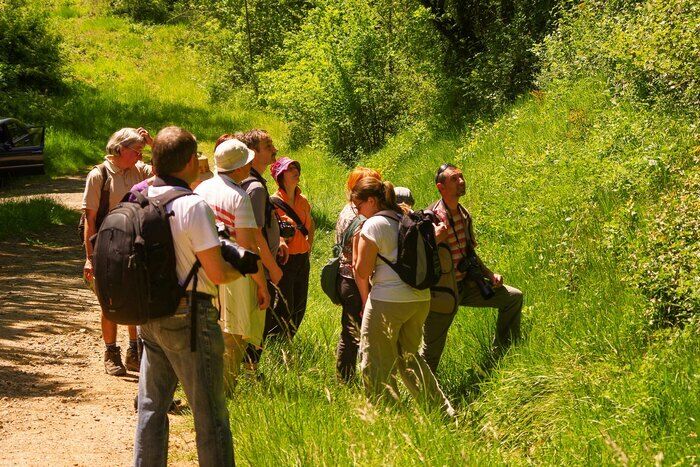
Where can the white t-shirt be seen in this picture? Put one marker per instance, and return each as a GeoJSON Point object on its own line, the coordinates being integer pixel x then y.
{"type": "Point", "coordinates": [193, 230]}
{"type": "Point", "coordinates": [230, 203]}
{"type": "Point", "coordinates": [387, 286]}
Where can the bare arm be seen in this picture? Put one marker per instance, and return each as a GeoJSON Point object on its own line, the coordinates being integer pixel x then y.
{"type": "Point", "coordinates": [266, 256]}
{"type": "Point", "coordinates": [218, 270]}
{"type": "Point", "coordinates": [364, 258]}
{"type": "Point", "coordinates": [247, 239]}
{"type": "Point", "coordinates": [90, 230]}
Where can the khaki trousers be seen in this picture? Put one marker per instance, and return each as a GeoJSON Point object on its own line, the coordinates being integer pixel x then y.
{"type": "Point", "coordinates": [389, 339]}
{"type": "Point", "coordinates": [509, 302]}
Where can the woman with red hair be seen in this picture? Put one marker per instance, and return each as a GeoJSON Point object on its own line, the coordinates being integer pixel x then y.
{"type": "Point", "coordinates": [351, 318]}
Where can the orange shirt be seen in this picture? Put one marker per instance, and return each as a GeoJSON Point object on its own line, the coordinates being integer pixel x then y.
{"type": "Point", "coordinates": [298, 243]}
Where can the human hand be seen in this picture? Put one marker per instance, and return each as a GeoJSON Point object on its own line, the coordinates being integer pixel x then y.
{"type": "Point", "coordinates": [496, 280]}
{"type": "Point", "coordinates": [275, 274]}
{"type": "Point", "coordinates": [263, 298]}
{"type": "Point", "coordinates": [145, 135]}
{"type": "Point", "coordinates": [88, 272]}
{"type": "Point", "coordinates": [440, 232]}
{"type": "Point", "coordinates": [283, 253]}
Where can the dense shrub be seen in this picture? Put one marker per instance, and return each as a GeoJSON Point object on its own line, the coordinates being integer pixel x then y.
{"type": "Point", "coordinates": [349, 74]}
{"type": "Point", "coordinates": [668, 265]}
{"type": "Point", "coordinates": [148, 11]}
{"type": "Point", "coordinates": [245, 38]}
{"type": "Point", "coordinates": [354, 74]}
{"type": "Point", "coordinates": [648, 50]}
{"type": "Point", "coordinates": [488, 47]}
{"type": "Point", "coordinates": [29, 50]}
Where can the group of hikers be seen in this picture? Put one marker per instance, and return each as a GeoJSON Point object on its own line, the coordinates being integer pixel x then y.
{"type": "Point", "coordinates": [384, 320]}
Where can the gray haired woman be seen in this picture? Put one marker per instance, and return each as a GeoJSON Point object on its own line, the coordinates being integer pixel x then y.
{"type": "Point", "coordinates": [106, 185]}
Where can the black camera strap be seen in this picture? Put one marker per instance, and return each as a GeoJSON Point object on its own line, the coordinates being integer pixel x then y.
{"type": "Point", "coordinates": [269, 208]}
{"type": "Point", "coordinates": [451, 221]}
{"type": "Point", "coordinates": [288, 210]}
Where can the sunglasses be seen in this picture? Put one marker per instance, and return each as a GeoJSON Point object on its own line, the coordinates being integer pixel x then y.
{"type": "Point", "coordinates": [356, 206]}
{"type": "Point", "coordinates": [440, 171]}
{"type": "Point", "coordinates": [138, 152]}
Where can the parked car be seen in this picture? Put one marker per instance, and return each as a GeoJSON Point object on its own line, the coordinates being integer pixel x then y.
{"type": "Point", "coordinates": [21, 147]}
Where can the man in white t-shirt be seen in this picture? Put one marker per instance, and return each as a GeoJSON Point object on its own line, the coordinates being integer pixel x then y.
{"type": "Point", "coordinates": [234, 213]}
{"type": "Point", "coordinates": [167, 355]}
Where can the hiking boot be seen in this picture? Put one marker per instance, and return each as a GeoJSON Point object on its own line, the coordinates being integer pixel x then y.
{"type": "Point", "coordinates": [113, 362]}
{"type": "Point", "coordinates": [133, 363]}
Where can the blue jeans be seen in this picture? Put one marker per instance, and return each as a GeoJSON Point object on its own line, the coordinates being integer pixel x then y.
{"type": "Point", "coordinates": [166, 359]}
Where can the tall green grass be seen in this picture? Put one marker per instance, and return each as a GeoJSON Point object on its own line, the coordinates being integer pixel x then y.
{"type": "Point", "coordinates": [558, 186]}
{"type": "Point", "coordinates": [20, 218]}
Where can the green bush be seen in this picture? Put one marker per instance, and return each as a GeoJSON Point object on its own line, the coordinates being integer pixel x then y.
{"type": "Point", "coordinates": [485, 51]}
{"type": "Point", "coordinates": [353, 75]}
{"type": "Point", "coordinates": [30, 56]}
{"type": "Point", "coordinates": [648, 50]}
{"type": "Point", "coordinates": [668, 265]}
{"type": "Point", "coordinates": [245, 38]}
{"type": "Point", "coordinates": [147, 11]}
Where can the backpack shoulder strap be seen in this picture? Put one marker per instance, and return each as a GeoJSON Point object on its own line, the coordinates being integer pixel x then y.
{"type": "Point", "coordinates": [246, 182]}
{"type": "Point", "coordinates": [280, 203]}
{"type": "Point", "coordinates": [389, 214]}
{"type": "Point", "coordinates": [103, 172]}
{"type": "Point", "coordinates": [350, 230]}
{"type": "Point", "coordinates": [103, 206]}
{"type": "Point", "coordinates": [269, 208]}
{"type": "Point", "coordinates": [393, 215]}
{"type": "Point", "coordinates": [169, 196]}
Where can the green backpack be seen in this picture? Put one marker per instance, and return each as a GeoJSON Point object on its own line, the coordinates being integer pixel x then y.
{"type": "Point", "coordinates": [329, 273]}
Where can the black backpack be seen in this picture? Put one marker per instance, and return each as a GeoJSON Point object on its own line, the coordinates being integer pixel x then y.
{"type": "Point", "coordinates": [418, 260]}
{"type": "Point", "coordinates": [134, 261]}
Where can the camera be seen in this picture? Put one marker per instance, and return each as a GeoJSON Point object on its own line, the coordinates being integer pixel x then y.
{"type": "Point", "coordinates": [287, 230]}
{"type": "Point", "coordinates": [244, 261]}
{"type": "Point", "coordinates": [470, 265]}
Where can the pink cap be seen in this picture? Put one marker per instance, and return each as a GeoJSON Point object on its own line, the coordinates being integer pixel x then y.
{"type": "Point", "coordinates": [282, 165]}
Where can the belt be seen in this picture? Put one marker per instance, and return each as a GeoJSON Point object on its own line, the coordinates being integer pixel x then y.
{"type": "Point", "coordinates": [198, 295]}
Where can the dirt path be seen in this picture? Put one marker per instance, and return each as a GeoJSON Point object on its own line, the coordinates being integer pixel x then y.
{"type": "Point", "coordinates": [57, 406]}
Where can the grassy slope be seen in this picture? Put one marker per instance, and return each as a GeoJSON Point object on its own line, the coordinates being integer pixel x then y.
{"type": "Point", "coordinates": [126, 74]}
{"type": "Point", "coordinates": [556, 186]}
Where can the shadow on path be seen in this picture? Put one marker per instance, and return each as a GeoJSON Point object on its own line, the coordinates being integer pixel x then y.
{"type": "Point", "coordinates": [41, 298]}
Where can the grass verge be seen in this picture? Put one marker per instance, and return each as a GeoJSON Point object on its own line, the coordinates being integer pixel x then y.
{"type": "Point", "coordinates": [29, 217]}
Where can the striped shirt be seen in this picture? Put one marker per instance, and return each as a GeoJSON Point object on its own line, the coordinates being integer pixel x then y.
{"type": "Point", "coordinates": [459, 233]}
{"type": "Point", "coordinates": [230, 203]}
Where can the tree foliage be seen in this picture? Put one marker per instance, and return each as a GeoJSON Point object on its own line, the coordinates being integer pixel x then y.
{"type": "Point", "coordinates": [353, 74]}
{"type": "Point", "coordinates": [246, 37]}
{"type": "Point", "coordinates": [647, 50]}
{"type": "Point", "coordinates": [30, 56]}
{"type": "Point", "coordinates": [489, 46]}
{"type": "Point", "coordinates": [149, 11]}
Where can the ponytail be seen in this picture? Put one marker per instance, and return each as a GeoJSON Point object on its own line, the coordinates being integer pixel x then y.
{"type": "Point", "coordinates": [383, 191]}
{"type": "Point", "coordinates": [388, 200]}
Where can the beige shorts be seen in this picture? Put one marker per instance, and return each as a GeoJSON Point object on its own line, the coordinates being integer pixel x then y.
{"type": "Point", "coordinates": [240, 314]}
